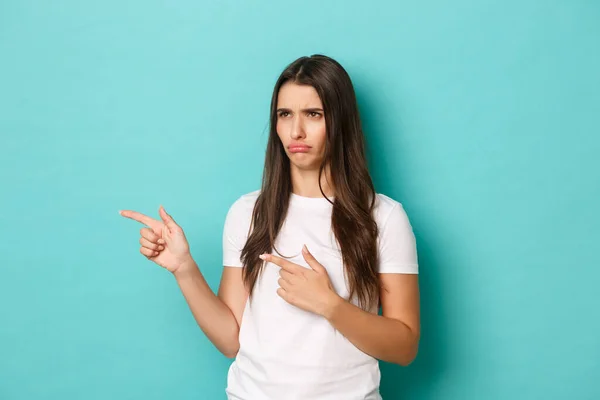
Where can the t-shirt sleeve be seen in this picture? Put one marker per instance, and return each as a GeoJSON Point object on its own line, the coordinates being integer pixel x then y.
{"type": "Point", "coordinates": [235, 233]}
{"type": "Point", "coordinates": [397, 244]}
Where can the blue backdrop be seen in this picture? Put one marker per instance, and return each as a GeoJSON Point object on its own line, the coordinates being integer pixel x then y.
{"type": "Point", "coordinates": [481, 118]}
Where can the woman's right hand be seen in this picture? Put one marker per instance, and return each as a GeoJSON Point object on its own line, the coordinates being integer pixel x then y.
{"type": "Point", "coordinates": [162, 242]}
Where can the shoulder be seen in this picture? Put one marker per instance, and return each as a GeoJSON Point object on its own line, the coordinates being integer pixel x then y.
{"type": "Point", "coordinates": [242, 207]}
{"type": "Point", "coordinates": [385, 206]}
{"type": "Point", "coordinates": [247, 199]}
{"type": "Point", "coordinates": [397, 241]}
{"type": "Point", "coordinates": [237, 227]}
{"type": "Point", "coordinates": [390, 216]}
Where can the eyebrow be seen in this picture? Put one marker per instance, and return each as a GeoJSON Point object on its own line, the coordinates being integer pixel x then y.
{"type": "Point", "coordinates": [314, 109]}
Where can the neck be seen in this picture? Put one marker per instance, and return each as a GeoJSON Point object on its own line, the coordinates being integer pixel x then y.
{"type": "Point", "coordinates": [306, 182]}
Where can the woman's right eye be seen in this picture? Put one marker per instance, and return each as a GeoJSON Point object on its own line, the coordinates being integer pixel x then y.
{"type": "Point", "coordinates": [283, 114]}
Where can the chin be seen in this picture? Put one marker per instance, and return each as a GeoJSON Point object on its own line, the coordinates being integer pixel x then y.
{"type": "Point", "coordinates": [306, 166]}
{"type": "Point", "coordinates": [304, 161]}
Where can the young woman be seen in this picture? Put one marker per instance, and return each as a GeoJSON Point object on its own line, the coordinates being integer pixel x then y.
{"type": "Point", "coordinates": [308, 259]}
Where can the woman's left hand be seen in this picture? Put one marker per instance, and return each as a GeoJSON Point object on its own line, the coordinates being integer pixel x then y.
{"type": "Point", "coordinates": [308, 289]}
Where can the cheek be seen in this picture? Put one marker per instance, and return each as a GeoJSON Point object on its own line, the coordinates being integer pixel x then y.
{"type": "Point", "coordinates": [279, 128]}
{"type": "Point", "coordinates": [319, 134]}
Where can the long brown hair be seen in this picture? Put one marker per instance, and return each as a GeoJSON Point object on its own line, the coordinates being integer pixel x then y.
{"type": "Point", "coordinates": [354, 195]}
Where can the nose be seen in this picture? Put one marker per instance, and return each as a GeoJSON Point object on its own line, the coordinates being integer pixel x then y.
{"type": "Point", "coordinates": [297, 129]}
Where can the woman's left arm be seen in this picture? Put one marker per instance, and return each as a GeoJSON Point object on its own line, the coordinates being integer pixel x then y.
{"type": "Point", "coordinates": [392, 337]}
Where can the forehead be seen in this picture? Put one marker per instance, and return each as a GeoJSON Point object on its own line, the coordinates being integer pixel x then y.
{"type": "Point", "coordinates": [294, 95]}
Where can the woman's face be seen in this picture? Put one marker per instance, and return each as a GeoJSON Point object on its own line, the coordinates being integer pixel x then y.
{"type": "Point", "coordinates": [301, 125]}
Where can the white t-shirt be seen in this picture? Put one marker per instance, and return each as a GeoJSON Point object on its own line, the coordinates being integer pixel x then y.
{"type": "Point", "coordinates": [287, 353]}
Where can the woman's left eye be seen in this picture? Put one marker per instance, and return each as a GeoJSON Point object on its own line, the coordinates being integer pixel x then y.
{"type": "Point", "coordinates": [313, 114]}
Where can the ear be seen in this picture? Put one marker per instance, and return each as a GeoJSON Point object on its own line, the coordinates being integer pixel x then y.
{"type": "Point", "coordinates": [312, 261]}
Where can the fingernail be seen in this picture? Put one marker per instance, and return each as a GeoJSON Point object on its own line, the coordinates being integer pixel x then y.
{"type": "Point", "coordinates": [161, 241]}
{"type": "Point", "coordinates": [161, 248]}
{"type": "Point", "coordinates": [263, 256]}
{"type": "Point", "coordinates": [304, 249]}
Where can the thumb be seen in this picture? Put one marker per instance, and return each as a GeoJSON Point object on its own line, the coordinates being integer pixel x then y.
{"type": "Point", "coordinates": [311, 260]}
{"type": "Point", "coordinates": [167, 219]}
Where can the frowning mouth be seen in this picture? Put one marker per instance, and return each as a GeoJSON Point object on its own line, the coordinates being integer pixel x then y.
{"type": "Point", "coordinates": [298, 148]}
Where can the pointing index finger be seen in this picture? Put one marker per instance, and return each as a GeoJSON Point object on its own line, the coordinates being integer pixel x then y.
{"type": "Point", "coordinates": [283, 263]}
{"type": "Point", "coordinates": [139, 217]}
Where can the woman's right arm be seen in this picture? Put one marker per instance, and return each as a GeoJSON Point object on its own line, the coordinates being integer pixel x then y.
{"type": "Point", "coordinates": [219, 316]}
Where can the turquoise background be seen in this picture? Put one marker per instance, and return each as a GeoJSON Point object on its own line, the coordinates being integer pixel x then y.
{"type": "Point", "coordinates": [481, 117]}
